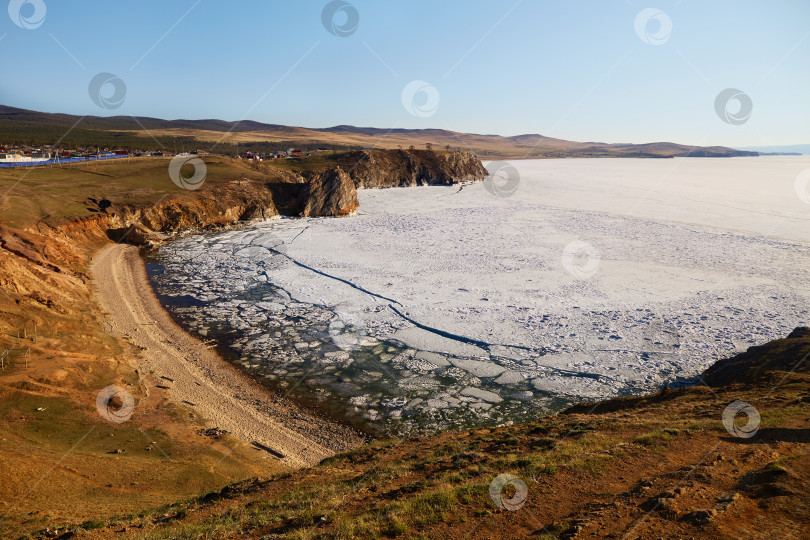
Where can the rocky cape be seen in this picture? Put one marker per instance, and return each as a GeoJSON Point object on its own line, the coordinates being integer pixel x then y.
{"type": "Point", "coordinates": [328, 191]}
{"type": "Point", "coordinates": [662, 465]}
{"type": "Point", "coordinates": [41, 264]}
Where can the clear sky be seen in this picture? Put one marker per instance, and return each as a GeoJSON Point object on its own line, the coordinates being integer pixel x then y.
{"type": "Point", "coordinates": [579, 70]}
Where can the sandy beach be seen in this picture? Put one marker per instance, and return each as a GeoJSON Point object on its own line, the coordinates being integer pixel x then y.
{"type": "Point", "coordinates": [195, 377]}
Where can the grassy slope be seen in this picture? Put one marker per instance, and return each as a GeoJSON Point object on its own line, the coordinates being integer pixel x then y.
{"type": "Point", "coordinates": [54, 194]}
{"type": "Point", "coordinates": [650, 467]}
{"type": "Point", "coordinates": [601, 472]}
{"type": "Point", "coordinates": [57, 463]}
{"type": "Point", "coordinates": [57, 455]}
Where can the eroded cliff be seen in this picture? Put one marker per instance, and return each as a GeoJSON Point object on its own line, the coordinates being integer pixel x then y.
{"type": "Point", "coordinates": [400, 168]}
{"type": "Point", "coordinates": [328, 190]}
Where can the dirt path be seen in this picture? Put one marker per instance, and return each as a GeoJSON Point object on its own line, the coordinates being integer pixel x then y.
{"type": "Point", "coordinates": [197, 377]}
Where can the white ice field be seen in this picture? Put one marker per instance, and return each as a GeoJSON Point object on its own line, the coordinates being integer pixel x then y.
{"type": "Point", "coordinates": [441, 307]}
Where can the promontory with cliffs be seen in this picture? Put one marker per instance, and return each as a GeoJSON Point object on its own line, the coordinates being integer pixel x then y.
{"type": "Point", "coordinates": [216, 451]}
{"type": "Point", "coordinates": [415, 270]}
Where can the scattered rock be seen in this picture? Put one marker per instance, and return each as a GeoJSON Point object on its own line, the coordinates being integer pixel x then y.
{"type": "Point", "coordinates": [701, 517]}
{"type": "Point", "coordinates": [214, 432]}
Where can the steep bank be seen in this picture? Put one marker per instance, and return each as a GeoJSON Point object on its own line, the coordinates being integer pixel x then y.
{"type": "Point", "coordinates": [328, 186]}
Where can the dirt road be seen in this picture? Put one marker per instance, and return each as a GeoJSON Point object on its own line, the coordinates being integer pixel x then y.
{"type": "Point", "coordinates": [198, 378]}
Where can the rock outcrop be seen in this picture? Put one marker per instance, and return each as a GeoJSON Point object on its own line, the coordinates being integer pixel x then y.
{"type": "Point", "coordinates": [330, 190]}
{"type": "Point", "coordinates": [219, 205]}
{"type": "Point", "coordinates": [400, 168]}
{"type": "Point", "coordinates": [332, 193]}
{"type": "Point", "coordinates": [787, 354]}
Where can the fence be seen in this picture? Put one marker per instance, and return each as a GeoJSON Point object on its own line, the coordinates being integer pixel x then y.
{"type": "Point", "coordinates": [19, 350]}
{"type": "Point", "coordinates": [8, 354]}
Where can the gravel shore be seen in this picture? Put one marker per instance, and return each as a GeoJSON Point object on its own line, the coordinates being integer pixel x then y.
{"type": "Point", "coordinates": [194, 376]}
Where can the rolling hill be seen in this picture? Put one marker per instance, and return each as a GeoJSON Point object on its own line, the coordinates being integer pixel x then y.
{"type": "Point", "coordinates": [32, 127]}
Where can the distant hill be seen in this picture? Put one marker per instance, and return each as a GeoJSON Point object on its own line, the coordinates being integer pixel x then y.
{"type": "Point", "coordinates": [784, 149]}
{"type": "Point", "coordinates": [24, 126]}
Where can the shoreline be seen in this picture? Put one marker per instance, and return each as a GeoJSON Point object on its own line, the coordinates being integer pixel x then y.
{"type": "Point", "coordinates": [194, 376]}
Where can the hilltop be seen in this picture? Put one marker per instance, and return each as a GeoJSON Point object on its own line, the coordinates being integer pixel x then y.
{"type": "Point", "coordinates": [20, 125]}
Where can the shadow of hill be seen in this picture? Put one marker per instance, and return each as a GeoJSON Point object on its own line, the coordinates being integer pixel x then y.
{"type": "Point", "coordinates": [769, 435]}
{"type": "Point", "coordinates": [789, 354]}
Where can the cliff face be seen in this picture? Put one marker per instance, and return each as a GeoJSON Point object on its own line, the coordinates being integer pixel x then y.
{"type": "Point", "coordinates": [329, 188]}
{"type": "Point", "coordinates": [329, 191]}
{"type": "Point", "coordinates": [217, 206]}
{"type": "Point", "coordinates": [320, 194]}
{"type": "Point", "coordinates": [399, 168]}
{"type": "Point", "coordinates": [333, 193]}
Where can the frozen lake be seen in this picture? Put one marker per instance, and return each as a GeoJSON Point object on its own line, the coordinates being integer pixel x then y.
{"type": "Point", "coordinates": [561, 281]}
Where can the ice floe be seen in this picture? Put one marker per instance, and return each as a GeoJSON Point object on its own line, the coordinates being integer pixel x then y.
{"type": "Point", "coordinates": [435, 308]}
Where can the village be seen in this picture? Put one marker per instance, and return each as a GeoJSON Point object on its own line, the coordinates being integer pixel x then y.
{"type": "Point", "coordinates": [27, 156]}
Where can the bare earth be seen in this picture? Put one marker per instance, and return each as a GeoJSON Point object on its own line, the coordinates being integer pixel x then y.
{"type": "Point", "coordinates": [200, 379]}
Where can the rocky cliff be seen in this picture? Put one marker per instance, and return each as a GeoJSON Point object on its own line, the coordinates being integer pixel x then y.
{"type": "Point", "coordinates": [333, 193]}
{"type": "Point", "coordinates": [330, 190]}
{"type": "Point", "coordinates": [399, 168]}
{"type": "Point", "coordinates": [239, 192]}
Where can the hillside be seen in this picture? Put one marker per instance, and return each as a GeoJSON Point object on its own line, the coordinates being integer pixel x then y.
{"type": "Point", "coordinates": [20, 125]}
{"type": "Point", "coordinates": [653, 466]}
{"type": "Point", "coordinates": [659, 466]}
{"type": "Point", "coordinates": [58, 457]}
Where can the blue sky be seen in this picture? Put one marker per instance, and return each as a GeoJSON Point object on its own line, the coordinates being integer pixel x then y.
{"type": "Point", "coordinates": [574, 70]}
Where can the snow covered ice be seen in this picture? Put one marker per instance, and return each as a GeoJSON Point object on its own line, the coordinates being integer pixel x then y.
{"type": "Point", "coordinates": [441, 307]}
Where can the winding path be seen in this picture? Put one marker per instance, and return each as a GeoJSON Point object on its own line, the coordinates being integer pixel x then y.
{"type": "Point", "coordinates": [195, 376]}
